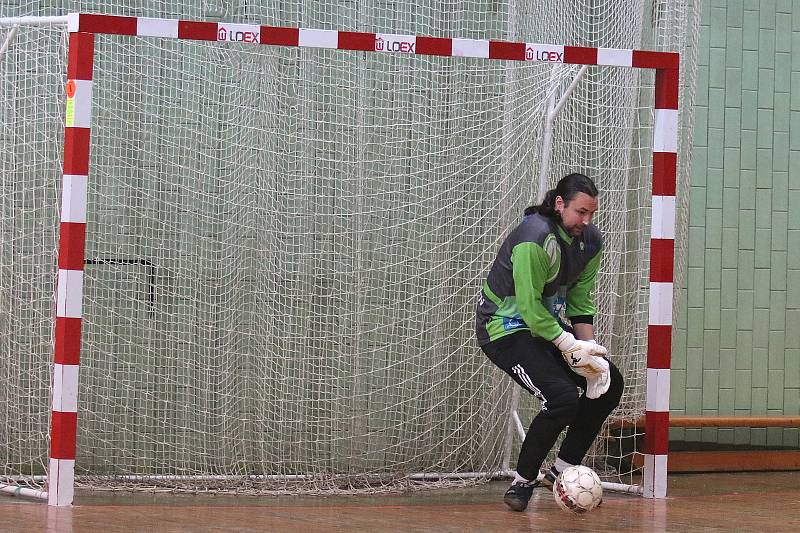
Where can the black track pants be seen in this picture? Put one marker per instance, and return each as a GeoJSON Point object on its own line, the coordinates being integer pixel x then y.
{"type": "Point", "coordinates": [537, 366]}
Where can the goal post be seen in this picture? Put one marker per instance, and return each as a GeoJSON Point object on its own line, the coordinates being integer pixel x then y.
{"type": "Point", "coordinates": [277, 290]}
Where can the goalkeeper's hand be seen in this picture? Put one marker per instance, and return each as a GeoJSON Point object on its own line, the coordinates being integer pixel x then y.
{"type": "Point", "coordinates": [584, 359]}
{"type": "Point", "coordinates": [579, 353]}
{"type": "Point", "coordinates": [597, 382]}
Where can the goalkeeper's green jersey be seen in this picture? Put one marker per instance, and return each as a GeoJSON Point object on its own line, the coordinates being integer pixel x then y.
{"type": "Point", "coordinates": [541, 278]}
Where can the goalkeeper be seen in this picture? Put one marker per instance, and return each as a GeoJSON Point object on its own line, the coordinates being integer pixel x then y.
{"type": "Point", "coordinates": [534, 320]}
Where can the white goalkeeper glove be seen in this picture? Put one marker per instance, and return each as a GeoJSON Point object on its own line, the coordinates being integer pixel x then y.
{"type": "Point", "coordinates": [578, 353]}
{"type": "Point", "coordinates": [597, 383]}
{"type": "Point", "coordinates": [584, 359]}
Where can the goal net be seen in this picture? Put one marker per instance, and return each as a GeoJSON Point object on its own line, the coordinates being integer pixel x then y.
{"type": "Point", "coordinates": [284, 247]}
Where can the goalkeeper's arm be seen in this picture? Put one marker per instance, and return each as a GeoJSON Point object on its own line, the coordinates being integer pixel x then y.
{"type": "Point", "coordinates": [583, 331]}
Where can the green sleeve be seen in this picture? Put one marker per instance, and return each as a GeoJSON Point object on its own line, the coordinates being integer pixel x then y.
{"type": "Point", "coordinates": [580, 301]}
{"type": "Point", "coordinates": [532, 267]}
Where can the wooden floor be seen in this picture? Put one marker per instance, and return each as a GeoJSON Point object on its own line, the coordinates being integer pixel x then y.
{"type": "Point", "coordinates": [698, 502]}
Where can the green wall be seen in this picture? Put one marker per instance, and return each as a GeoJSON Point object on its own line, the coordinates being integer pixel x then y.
{"type": "Point", "coordinates": [737, 349]}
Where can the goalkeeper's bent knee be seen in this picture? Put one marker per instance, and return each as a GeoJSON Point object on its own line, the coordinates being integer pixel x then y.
{"type": "Point", "coordinates": [563, 408]}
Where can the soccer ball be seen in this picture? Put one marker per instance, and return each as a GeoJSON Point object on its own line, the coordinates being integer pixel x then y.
{"type": "Point", "coordinates": [578, 489]}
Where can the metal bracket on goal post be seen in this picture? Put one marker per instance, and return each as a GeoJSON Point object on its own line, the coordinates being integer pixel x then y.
{"type": "Point", "coordinates": [82, 28]}
{"type": "Point", "coordinates": [553, 109]}
{"type": "Point", "coordinates": [12, 33]}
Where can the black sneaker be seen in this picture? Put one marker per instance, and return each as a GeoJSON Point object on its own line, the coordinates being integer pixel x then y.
{"type": "Point", "coordinates": [518, 495]}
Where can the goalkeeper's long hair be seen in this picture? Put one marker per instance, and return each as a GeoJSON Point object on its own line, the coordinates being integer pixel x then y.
{"type": "Point", "coordinates": [567, 188]}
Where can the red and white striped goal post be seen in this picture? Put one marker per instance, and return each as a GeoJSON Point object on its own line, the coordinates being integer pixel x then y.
{"type": "Point", "coordinates": [71, 256]}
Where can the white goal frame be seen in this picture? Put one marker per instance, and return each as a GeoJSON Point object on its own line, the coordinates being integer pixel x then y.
{"type": "Point", "coordinates": [72, 240]}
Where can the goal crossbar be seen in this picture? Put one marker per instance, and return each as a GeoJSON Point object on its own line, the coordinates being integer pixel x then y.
{"type": "Point", "coordinates": [76, 172]}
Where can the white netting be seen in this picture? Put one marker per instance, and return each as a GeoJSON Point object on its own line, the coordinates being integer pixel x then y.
{"type": "Point", "coordinates": [284, 245]}
{"type": "Point", "coordinates": [31, 138]}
